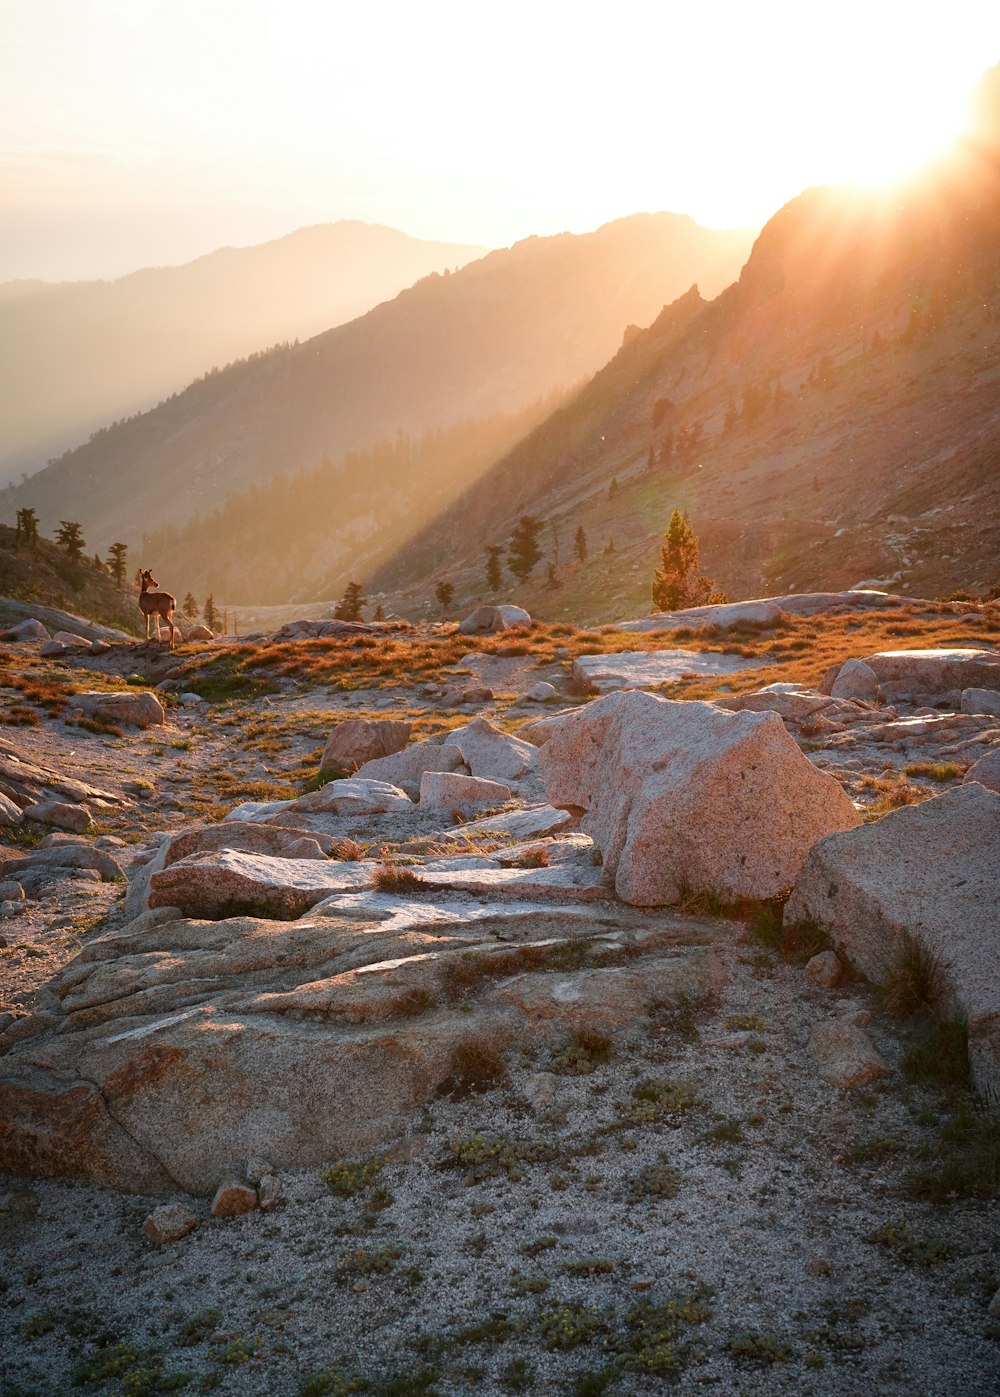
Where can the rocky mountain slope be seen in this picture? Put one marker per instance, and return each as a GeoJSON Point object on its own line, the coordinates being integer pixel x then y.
{"type": "Point", "coordinates": [76, 355]}
{"type": "Point", "coordinates": [418, 1089]}
{"type": "Point", "coordinates": [492, 337]}
{"type": "Point", "coordinates": [832, 417]}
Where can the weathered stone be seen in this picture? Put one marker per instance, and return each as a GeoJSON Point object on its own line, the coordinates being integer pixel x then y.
{"type": "Point", "coordinates": [461, 694]}
{"type": "Point", "coordinates": [11, 815]}
{"type": "Point", "coordinates": [99, 647]}
{"type": "Point", "coordinates": [51, 649]}
{"type": "Point", "coordinates": [981, 701]}
{"type": "Point", "coordinates": [489, 619]}
{"type": "Point", "coordinates": [533, 822]}
{"type": "Point", "coordinates": [234, 1197]}
{"type": "Point", "coordinates": [540, 730]}
{"type": "Point", "coordinates": [213, 884]}
{"type": "Point", "coordinates": [790, 701]}
{"type": "Point", "coordinates": [136, 708]}
{"type": "Point", "coordinates": [460, 795]}
{"type": "Point", "coordinates": [986, 771]}
{"type": "Point", "coordinates": [845, 1055]}
{"type": "Point", "coordinates": [543, 692]}
{"type": "Point", "coordinates": [169, 1223]}
{"type": "Point", "coordinates": [10, 891]}
{"type": "Point", "coordinates": [359, 740]}
{"type": "Point", "coordinates": [491, 753]}
{"type": "Point", "coordinates": [685, 797]}
{"type": "Point", "coordinates": [764, 612]}
{"type": "Point", "coordinates": [62, 856]}
{"type": "Point", "coordinates": [924, 875]}
{"type": "Point", "coordinates": [824, 970]}
{"type": "Point", "coordinates": [931, 671]}
{"type": "Point", "coordinates": [71, 641]}
{"type": "Point", "coordinates": [75, 818]}
{"type": "Point", "coordinates": [200, 632]}
{"type": "Point", "coordinates": [26, 630]}
{"type": "Point", "coordinates": [856, 680]}
{"type": "Point", "coordinates": [404, 769]}
{"type": "Point", "coordinates": [638, 669]}
{"type": "Point", "coordinates": [355, 796]}
{"type": "Point", "coordinates": [269, 1192]}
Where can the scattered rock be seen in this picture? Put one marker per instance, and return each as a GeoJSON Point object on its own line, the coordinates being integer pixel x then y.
{"type": "Point", "coordinates": [75, 818]}
{"type": "Point", "coordinates": [460, 795]}
{"type": "Point", "coordinates": [856, 680]}
{"type": "Point", "coordinates": [200, 632]}
{"type": "Point", "coordinates": [685, 797]}
{"type": "Point", "coordinates": [99, 647]}
{"type": "Point", "coordinates": [355, 796]}
{"type": "Point", "coordinates": [169, 1223]}
{"type": "Point", "coordinates": [532, 822]}
{"type": "Point", "coordinates": [10, 891]}
{"type": "Point", "coordinates": [489, 619]}
{"type": "Point", "coordinates": [824, 970]}
{"type": "Point", "coordinates": [136, 708]}
{"type": "Point", "coordinates": [26, 630]}
{"type": "Point", "coordinates": [986, 771]}
{"type": "Point", "coordinates": [405, 769]}
{"type": "Point", "coordinates": [458, 696]}
{"type": "Point", "coordinates": [541, 1088]}
{"type": "Point", "coordinates": [931, 671]}
{"type": "Point", "coordinates": [981, 701]}
{"type": "Point", "coordinates": [224, 883]}
{"type": "Point", "coordinates": [359, 740]}
{"type": "Point", "coordinates": [69, 640]}
{"type": "Point", "coordinates": [491, 753]}
{"type": "Point", "coordinates": [234, 1197]}
{"type": "Point", "coordinates": [11, 815]}
{"type": "Point", "coordinates": [845, 1055]}
{"type": "Point", "coordinates": [269, 1192]}
{"type": "Point", "coordinates": [923, 875]}
{"type": "Point", "coordinates": [543, 692]}
{"type": "Point", "coordinates": [763, 612]}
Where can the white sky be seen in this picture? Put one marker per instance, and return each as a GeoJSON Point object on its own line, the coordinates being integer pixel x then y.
{"type": "Point", "coordinates": [135, 132]}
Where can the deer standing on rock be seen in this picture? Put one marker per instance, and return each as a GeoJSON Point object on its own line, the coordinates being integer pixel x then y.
{"type": "Point", "coordinates": [159, 604]}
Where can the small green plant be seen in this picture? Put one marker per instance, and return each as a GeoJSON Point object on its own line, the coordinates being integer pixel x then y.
{"type": "Point", "coordinates": [569, 1326]}
{"type": "Point", "coordinates": [934, 771]}
{"type": "Point", "coordinates": [589, 1266]}
{"type": "Point", "coordinates": [392, 877]}
{"type": "Point", "coordinates": [659, 1180]}
{"type": "Point", "coordinates": [198, 1327]}
{"type": "Point", "coordinates": [138, 1372]}
{"type": "Point", "coordinates": [37, 1326]}
{"type": "Point", "coordinates": [964, 1160]}
{"type": "Point", "coordinates": [347, 1177]}
{"type": "Point", "coordinates": [364, 1262]}
{"type": "Point", "coordinates": [727, 1133]}
{"type": "Point", "coordinates": [909, 1248]}
{"type": "Point", "coordinates": [748, 1023]}
{"type": "Point", "coordinates": [585, 1051]}
{"type": "Point", "coordinates": [915, 983]}
{"type": "Point", "coordinates": [752, 1347]}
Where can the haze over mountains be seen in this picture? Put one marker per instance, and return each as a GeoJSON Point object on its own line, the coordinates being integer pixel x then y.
{"type": "Point", "coordinates": [74, 356]}
{"type": "Point", "coordinates": [494, 337]}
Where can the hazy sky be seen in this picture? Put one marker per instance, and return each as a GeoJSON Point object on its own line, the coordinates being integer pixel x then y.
{"type": "Point", "coordinates": [137, 132]}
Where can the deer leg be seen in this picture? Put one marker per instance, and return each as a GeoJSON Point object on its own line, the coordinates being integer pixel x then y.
{"type": "Point", "coordinates": [170, 623]}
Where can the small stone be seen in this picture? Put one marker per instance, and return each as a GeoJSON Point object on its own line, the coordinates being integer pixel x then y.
{"type": "Point", "coordinates": [11, 891]}
{"type": "Point", "coordinates": [824, 970]}
{"type": "Point", "coordinates": [10, 814]}
{"type": "Point", "coordinates": [543, 692]}
{"type": "Point", "coordinates": [257, 1168]}
{"type": "Point", "coordinates": [234, 1197]}
{"type": "Point", "coordinates": [541, 1088]}
{"type": "Point", "coordinates": [641, 1283]}
{"type": "Point", "coordinates": [269, 1192]}
{"type": "Point", "coordinates": [360, 1287]}
{"type": "Point", "coordinates": [845, 1055]}
{"type": "Point", "coordinates": [169, 1223]}
{"type": "Point", "coordinates": [819, 1266]}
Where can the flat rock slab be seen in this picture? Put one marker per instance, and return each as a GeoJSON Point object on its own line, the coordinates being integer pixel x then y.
{"type": "Point", "coordinates": [645, 669]}
{"type": "Point", "coordinates": [535, 821]}
{"type": "Point", "coordinates": [217, 884]}
{"type": "Point", "coordinates": [766, 610]}
{"type": "Point", "coordinates": [174, 1046]}
{"type": "Point", "coordinates": [924, 875]}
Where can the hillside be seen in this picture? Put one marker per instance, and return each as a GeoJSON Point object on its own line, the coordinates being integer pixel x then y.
{"type": "Point", "coordinates": [832, 417]}
{"type": "Point", "coordinates": [76, 355]}
{"type": "Point", "coordinates": [44, 575]}
{"type": "Point", "coordinates": [493, 337]}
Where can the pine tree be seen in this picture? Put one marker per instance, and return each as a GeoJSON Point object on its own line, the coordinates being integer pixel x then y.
{"type": "Point", "coordinates": [70, 537]}
{"type": "Point", "coordinates": [677, 583]}
{"type": "Point", "coordinates": [379, 613]}
{"type": "Point", "coordinates": [210, 614]}
{"type": "Point", "coordinates": [350, 606]}
{"type": "Point", "coordinates": [552, 577]}
{"type": "Point", "coordinates": [444, 592]}
{"type": "Point", "coordinates": [27, 528]}
{"type": "Point", "coordinates": [189, 607]}
{"type": "Point", "coordinates": [494, 576]}
{"type": "Point", "coordinates": [524, 552]}
{"type": "Point", "coordinates": [117, 556]}
{"type": "Point", "coordinates": [580, 545]}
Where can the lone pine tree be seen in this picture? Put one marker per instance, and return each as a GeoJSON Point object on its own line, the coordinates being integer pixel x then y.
{"type": "Point", "coordinates": [444, 591]}
{"type": "Point", "coordinates": [580, 544]}
{"type": "Point", "coordinates": [494, 575]}
{"type": "Point", "coordinates": [190, 607]}
{"type": "Point", "coordinates": [524, 552]}
{"type": "Point", "coordinates": [117, 562]}
{"type": "Point", "coordinates": [677, 583]}
{"type": "Point", "coordinates": [70, 537]}
{"type": "Point", "coordinates": [350, 606]}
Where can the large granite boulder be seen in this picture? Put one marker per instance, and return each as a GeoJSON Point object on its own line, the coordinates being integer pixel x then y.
{"type": "Point", "coordinates": [359, 740]}
{"type": "Point", "coordinates": [986, 771]}
{"type": "Point", "coordinates": [406, 768]}
{"type": "Point", "coordinates": [685, 797]}
{"type": "Point", "coordinates": [493, 754]}
{"type": "Point", "coordinates": [490, 619]}
{"type": "Point", "coordinates": [927, 875]}
{"type": "Point", "coordinates": [454, 794]}
{"type": "Point", "coordinates": [935, 671]}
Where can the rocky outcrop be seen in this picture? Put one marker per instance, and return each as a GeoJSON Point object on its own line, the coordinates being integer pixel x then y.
{"type": "Point", "coordinates": [981, 701]}
{"type": "Point", "coordinates": [856, 680]}
{"type": "Point", "coordinates": [684, 797]}
{"type": "Point", "coordinates": [454, 794]}
{"type": "Point", "coordinates": [172, 1048]}
{"type": "Point", "coordinates": [935, 671]}
{"type": "Point", "coordinates": [491, 753]}
{"type": "Point", "coordinates": [60, 815]}
{"type": "Point", "coordinates": [638, 669]}
{"type": "Point", "coordinates": [405, 769]}
{"type": "Point", "coordinates": [356, 741]}
{"type": "Point", "coordinates": [986, 771]}
{"type": "Point", "coordinates": [487, 620]}
{"type": "Point", "coordinates": [924, 877]}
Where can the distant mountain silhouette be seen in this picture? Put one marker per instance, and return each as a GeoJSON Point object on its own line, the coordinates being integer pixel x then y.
{"type": "Point", "coordinates": [832, 417]}
{"type": "Point", "coordinates": [76, 355]}
{"type": "Point", "coordinates": [493, 337]}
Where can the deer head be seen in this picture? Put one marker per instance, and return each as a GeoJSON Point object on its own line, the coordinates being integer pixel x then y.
{"type": "Point", "coordinates": [148, 580]}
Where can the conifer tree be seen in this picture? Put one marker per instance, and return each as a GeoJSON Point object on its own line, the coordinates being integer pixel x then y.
{"type": "Point", "coordinates": [69, 535]}
{"type": "Point", "coordinates": [494, 576]}
{"type": "Point", "coordinates": [524, 552]}
{"type": "Point", "coordinates": [189, 607]}
{"type": "Point", "coordinates": [26, 528]}
{"type": "Point", "coordinates": [580, 544]}
{"type": "Point", "coordinates": [379, 613]}
{"type": "Point", "coordinates": [117, 562]}
{"type": "Point", "coordinates": [210, 614]}
{"type": "Point", "coordinates": [351, 604]}
{"type": "Point", "coordinates": [444, 592]}
{"type": "Point", "coordinates": [677, 583]}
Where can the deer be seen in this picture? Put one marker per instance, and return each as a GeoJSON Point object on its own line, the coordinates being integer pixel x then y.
{"type": "Point", "coordinates": [159, 604]}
